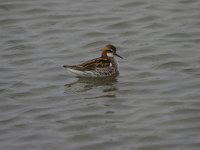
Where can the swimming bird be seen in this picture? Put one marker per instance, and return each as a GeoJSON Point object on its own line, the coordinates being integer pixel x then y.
{"type": "Point", "coordinates": [106, 65]}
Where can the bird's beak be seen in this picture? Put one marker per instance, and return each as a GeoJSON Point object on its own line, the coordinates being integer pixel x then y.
{"type": "Point", "coordinates": [118, 56]}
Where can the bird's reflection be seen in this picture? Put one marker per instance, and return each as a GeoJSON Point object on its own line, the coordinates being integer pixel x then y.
{"type": "Point", "coordinates": [107, 86]}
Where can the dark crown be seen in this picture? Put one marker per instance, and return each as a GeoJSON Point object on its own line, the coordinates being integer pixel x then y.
{"type": "Point", "coordinates": [111, 47]}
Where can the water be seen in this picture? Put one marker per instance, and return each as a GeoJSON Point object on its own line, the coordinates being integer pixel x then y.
{"type": "Point", "coordinates": [153, 104]}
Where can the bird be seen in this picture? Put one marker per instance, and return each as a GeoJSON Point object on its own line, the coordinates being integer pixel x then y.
{"type": "Point", "coordinates": [104, 66]}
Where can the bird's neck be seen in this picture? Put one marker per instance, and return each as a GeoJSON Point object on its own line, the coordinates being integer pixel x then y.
{"type": "Point", "coordinates": [114, 61]}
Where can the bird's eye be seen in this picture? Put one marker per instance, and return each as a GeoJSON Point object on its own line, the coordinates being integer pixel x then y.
{"type": "Point", "coordinates": [110, 50]}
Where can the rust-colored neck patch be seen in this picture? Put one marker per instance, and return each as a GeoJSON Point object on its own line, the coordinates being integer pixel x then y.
{"type": "Point", "coordinates": [104, 52]}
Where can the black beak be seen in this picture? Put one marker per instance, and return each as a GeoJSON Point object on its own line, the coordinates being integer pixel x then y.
{"type": "Point", "coordinates": [118, 56]}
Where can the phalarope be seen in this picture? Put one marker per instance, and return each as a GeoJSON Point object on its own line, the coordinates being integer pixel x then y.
{"type": "Point", "coordinates": [106, 65]}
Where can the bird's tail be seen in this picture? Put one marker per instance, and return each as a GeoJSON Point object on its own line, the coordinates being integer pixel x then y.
{"type": "Point", "coordinates": [66, 66]}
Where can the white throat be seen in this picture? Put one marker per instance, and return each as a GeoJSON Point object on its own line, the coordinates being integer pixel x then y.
{"type": "Point", "coordinates": [110, 55]}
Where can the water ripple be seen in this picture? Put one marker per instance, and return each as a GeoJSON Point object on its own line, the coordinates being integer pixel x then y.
{"type": "Point", "coordinates": [152, 104]}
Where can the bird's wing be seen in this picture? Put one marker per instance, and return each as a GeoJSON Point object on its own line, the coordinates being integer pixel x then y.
{"type": "Point", "coordinates": [92, 64]}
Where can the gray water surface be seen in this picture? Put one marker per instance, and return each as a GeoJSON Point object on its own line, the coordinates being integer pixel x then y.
{"type": "Point", "coordinates": [154, 104]}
